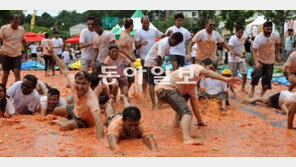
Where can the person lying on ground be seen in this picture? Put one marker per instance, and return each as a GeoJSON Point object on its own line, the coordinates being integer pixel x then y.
{"type": "Point", "coordinates": [6, 107]}
{"type": "Point", "coordinates": [85, 112]}
{"type": "Point", "coordinates": [126, 126]}
{"type": "Point", "coordinates": [213, 88]}
{"type": "Point", "coordinates": [285, 101]}
{"type": "Point", "coordinates": [289, 69]}
{"type": "Point", "coordinates": [24, 96]}
{"type": "Point", "coordinates": [176, 88]}
{"type": "Point", "coordinates": [53, 104]}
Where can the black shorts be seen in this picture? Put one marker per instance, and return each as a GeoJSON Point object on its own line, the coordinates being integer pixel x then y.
{"type": "Point", "coordinates": [145, 70]}
{"type": "Point", "coordinates": [151, 76]}
{"type": "Point", "coordinates": [60, 56]}
{"type": "Point", "coordinates": [175, 100]}
{"type": "Point", "coordinates": [273, 101]}
{"type": "Point", "coordinates": [10, 63]}
{"type": "Point", "coordinates": [34, 55]}
{"type": "Point", "coordinates": [265, 72]}
{"type": "Point", "coordinates": [80, 123]}
{"type": "Point", "coordinates": [179, 59]}
{"type": "Point", "coordinates": [103, 99]}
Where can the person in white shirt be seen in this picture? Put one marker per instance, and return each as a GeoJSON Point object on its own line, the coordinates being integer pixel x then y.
{"type": "Point", "coordinates": [6, 107]}
{"type": "Point", "coordinates": [86, 44]}
{"type": "Point", "coordinates": [145, 39]}
{"type": "Point", "coordinates": [155, 59]}
{"type": "Point", "coordinates": [102, 41]}
{"type": "Point", "coordinates": [284, 100]}
{"type": "Point", "coordinates": [57, 44]}
{"type": "Point", "coordinates": [266, 49]}
{"type": "Point", "coordinates": [66, 57]}
{"type": "Point", "coordinates": [238, 61]}
{"type": "Point", "coordinates": [33, 48]}
{"type": "Point", "coordinates": [207, 40]}
{"type": "Point", "coordinates": [213, 88]}
{"type": "Point", "coordinates": [177, 53]}
{"type": "Point", "coordinates": [53, 104]}
{"type": "Point", "coordinates": [289, 44]}
{"type": "Point", "coordinates": [24, 96]}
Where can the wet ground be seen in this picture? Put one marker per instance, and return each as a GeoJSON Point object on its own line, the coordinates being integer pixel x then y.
{"type": "Point", "coordinates": [246, 130]}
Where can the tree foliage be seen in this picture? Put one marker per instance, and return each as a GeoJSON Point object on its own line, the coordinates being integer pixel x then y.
{"type": "Point", "coordinates": [232, 18]}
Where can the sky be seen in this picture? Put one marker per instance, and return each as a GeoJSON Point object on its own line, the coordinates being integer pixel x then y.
{"type": "Point", "coordinates": [51, 12]}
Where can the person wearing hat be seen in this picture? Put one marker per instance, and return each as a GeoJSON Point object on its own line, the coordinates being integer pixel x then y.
{"type": "Point", "coordinates": [289, 44]}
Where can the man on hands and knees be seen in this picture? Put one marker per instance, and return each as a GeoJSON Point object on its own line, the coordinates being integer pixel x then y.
{"type": "Point", "coordinates": [290, 70]}
{"type": "Point", "coordinates": [126, 126]}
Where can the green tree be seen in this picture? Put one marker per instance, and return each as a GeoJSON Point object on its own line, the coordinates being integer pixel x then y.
{"type": "Point", "coordinates": [278, 17]}
{"type": "Point", "coordinates": [232, 18]}
{"type": "Point", "coordinates": [46, 20]}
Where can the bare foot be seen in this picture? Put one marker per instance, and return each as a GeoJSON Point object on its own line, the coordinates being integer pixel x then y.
{"type": "Point", "coordinates": [201, 124]}
{"type": "Point", "coordinates": [155, 107]}
{"type": "Point", "coordinates": [192, 142]}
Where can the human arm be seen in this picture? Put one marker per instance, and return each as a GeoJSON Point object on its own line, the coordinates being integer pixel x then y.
{"type": "Point", "coordinates": [24, 43]}
{"type": "Point", "coordinates": [255, 52]}
{"type": "Point", "coordinates": [113, 141]}
{"type": "Point", "coordinates": [228, 48]}
{"type": "Point", "coordinates": [190, 45]}
{"type": "Point", "coordinates": [230, 81]}
{"type": "Point", "coordinates": [95, 56]}
{"type": "Point", "coordinates": [59, 62]}
{"type": "Point", "coordinates": [99, 125]}
{"type": "Point", "coordinates": [150, 142]}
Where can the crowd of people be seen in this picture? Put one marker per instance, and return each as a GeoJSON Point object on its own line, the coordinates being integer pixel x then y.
{"type": "Point", "coordinates": [107, 69]}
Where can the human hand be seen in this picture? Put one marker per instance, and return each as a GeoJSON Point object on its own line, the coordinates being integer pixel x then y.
{"type": "Point", "coordinates": [231, 81]}
{"type": "Point", "coordinates": [118, 151]}
{"type": "Point", "coordinates": [144, 42]}
{"type": "Point", "coordinates": [169, 33]}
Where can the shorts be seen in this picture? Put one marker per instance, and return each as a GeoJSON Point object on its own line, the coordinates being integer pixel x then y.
{"type": "Point", "coordinates": [193, 60]}
{"type": "Point", "coordinates": [175, 100]}
{"type": "Point", "coordinates": [85, 64]}
{"type": "Point", "coordinates": [34, 55]}
{"type": "Point", "coordinates": [122, 81]}
{"type": "Point", "coordinates": [204, 95]}
{"type": "Point", "coordinates": [59, 55]}
{"type": "Point", "coordinates": [179, 59]}
{"type": "Point", "coordinates": [235, 66]}
{"type": "Point", "coordinates": [80, 123]}
{"type": "Point", "coordinates": [103, 99]}
{"type": "Point", "coordinates": [265, 71]}
{"type": "Point", "coordinates": [10, 63]}
{"type": "Point", "coordinates": [273, 101]}
{"type": "Point", "coordinates": [145, 70]}
{"type": "Point", "coordinates": [151, 77]}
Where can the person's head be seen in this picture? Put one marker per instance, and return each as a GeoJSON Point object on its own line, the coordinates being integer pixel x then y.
{"type": "Point", "coordinates": [2, 91]}
{"type": "Point", "coordinates": [56, 34]}
{"type": "Point", "coordinates": [94, 80]}
{"type": "Point", "coordinates": [99, 27]}
{"type": "Point", "coordinates": [248, 39]}
{"type": "Point", "coordinates": [67, 48]}
{"type": "Point", "coordinates": [46, 35]}
{"type": "Point", "coordinates": [208, 64]}
{"type": "Point", "coordinates": [90, 23]}
{"type": "Point", "coordinates": [210, 25]}
{"type": "Point", "coordinates": [53, 97]}
{"type": "Point", "coordinates": [145, 23]}
{"type": "Point", "coordinates": [82, 83]}
{"type": "Point", "coordinates": [131, 118]}
{"type": "Point", "coordinates": [290, 31]}
{"type": "Point", "coordinates": [239, 31]}
{"type": "Point", "coordinates": [179, 17]}
{"type": "Point", "coordinates": [129, 24]}
{"type": "Point", "coordinates": [267, 28]}
{"type": "Point", "coordinates": [15, 21]}
{"type": "Point", "coordinates": [28, 84]}
{"type": "Point", "coordinates": [113, 51]}
{"type": "Point", "coordinates": [175, 39]}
